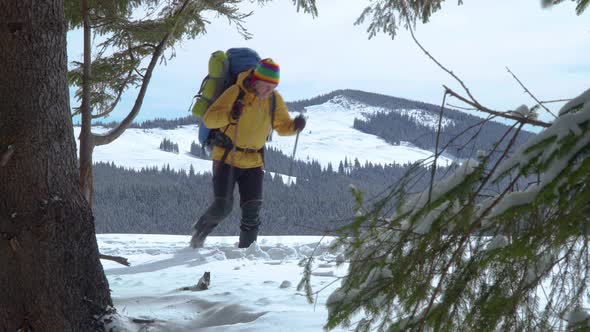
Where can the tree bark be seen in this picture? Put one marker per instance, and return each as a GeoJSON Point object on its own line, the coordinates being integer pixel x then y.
{"type": "Point", "coordinates": [51, 277]}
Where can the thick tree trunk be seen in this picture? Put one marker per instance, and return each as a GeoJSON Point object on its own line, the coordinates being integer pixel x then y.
{"type": "Point", "coordinates": [51, 277]}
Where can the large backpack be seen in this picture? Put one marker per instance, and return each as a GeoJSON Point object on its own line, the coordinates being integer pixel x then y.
{"type": "Point", "coordinates": [224, 68]}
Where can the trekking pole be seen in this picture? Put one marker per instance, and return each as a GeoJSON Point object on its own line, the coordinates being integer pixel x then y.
{"type": "Point", "coordinates": [293, 157]}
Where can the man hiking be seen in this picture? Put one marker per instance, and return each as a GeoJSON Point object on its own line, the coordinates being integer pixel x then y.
{"type": "Point", "coordinates": [245, 115]}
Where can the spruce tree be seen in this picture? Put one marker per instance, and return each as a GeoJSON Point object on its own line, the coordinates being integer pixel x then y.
{"type": "Point", "coordinates": [473, 251]}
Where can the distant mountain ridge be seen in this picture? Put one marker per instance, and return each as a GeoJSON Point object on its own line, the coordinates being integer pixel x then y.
{"type": "Point", "coordinates": [399, 120]}
{"type": "Point", "coordinates": [368, 98]}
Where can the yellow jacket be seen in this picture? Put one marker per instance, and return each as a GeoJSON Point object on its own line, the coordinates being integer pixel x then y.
{"type": "Point", "coordinates": [254, 124]}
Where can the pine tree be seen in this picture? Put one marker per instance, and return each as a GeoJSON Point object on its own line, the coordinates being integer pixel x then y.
{"type": "Point", "coordinates": [329, 169]}
{"type": "Point", "coordinates": [459, 257]}
{"type": "Point", "coordinates": [169, 146]}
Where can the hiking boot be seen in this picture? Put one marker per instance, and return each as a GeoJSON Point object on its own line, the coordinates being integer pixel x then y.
{"type": "Point", "coordinates": [198, 239]}
{"type": "Point", "coordinates": [249, 223]}
{"type": "Point", "coordinates": [247, 238]}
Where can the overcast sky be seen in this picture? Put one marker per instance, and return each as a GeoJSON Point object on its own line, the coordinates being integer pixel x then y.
{"type": "Point", "coordinates": [548, 49]}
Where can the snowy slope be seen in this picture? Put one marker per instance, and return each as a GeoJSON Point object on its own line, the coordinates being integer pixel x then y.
{"type": "Point", "coordinates": [328, 138]}
{"type": "Point", "coordinates": [425, 118]}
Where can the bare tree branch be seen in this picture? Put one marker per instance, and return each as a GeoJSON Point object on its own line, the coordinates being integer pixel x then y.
{"type": "Point", "coordinates": [441, 66]}
{"type": "Point", "coordinates": [554, 101]}
{"type": "Point", "coordinates": [118, 259]}
{"type": "Point", "coordinates": [530, 94]}
{"type": "Point", "coordinates": [462, 107]}
{"type": "Point", "coordinates": [497, 113]}
{"type": "Point", "coordinates": [473, 102]}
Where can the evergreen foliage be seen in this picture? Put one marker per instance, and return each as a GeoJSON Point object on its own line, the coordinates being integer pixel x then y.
{"type": "Point", "coordinates": [387, 16]}
{"type": "Point", "coordinates": [129, 44]}
{"type": "Point", "coordinates": [168, 146]}
{"type": "Point", "coordinates": [166, 201]}
{"type": "Point", "coordinates": [198, 151]}
{"type": "Point", "coordinates": [458, 257]}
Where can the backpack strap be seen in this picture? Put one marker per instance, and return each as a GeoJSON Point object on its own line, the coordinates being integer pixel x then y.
{"type": "Point", "coordinates": [241, 95]}
{"type": "Point", "coordinates": [239, 99]}
{"type": "Point", "coordinates": [227, 144]}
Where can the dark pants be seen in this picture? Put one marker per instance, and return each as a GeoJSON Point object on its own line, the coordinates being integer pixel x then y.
{"type": "Point", "coordinates": [249, 182]}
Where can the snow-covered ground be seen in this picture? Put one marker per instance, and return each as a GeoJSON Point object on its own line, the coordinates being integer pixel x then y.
{"type": "Point", "coordinates": [252, 289]}
{"type": "Point", "coordinates": [328, 138]}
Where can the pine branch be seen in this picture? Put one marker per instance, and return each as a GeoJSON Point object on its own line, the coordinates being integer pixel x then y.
{"type": "Point", "coordinates": [157, 53]}
{"type": "Point", "coordinates": [502, 156]}
{"type": "Point", "coordinates": [436, 152]}
{"type": "Point", "coordinates": [126, 81]}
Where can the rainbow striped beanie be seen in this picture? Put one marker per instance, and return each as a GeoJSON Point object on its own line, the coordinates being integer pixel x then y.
{"type": "Point", "coordinates": [267, 71]}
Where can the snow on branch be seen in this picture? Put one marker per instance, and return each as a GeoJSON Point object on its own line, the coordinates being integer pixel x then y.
{"type": "Point", "coordinates": [545, 146]}
{"type": "Point", "coordinates": [547, 155]}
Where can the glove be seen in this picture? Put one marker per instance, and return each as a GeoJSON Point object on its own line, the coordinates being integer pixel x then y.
{"type": "Point", "coordinates": [236, 111]}
{"type": "Point", "coordinates": [299, 123]}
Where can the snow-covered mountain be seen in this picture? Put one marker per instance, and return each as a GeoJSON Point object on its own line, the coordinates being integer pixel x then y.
{"type": "Point", "coordinates": [329, 137]}
{"type": "Point", "coordinates": [419, 116]}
